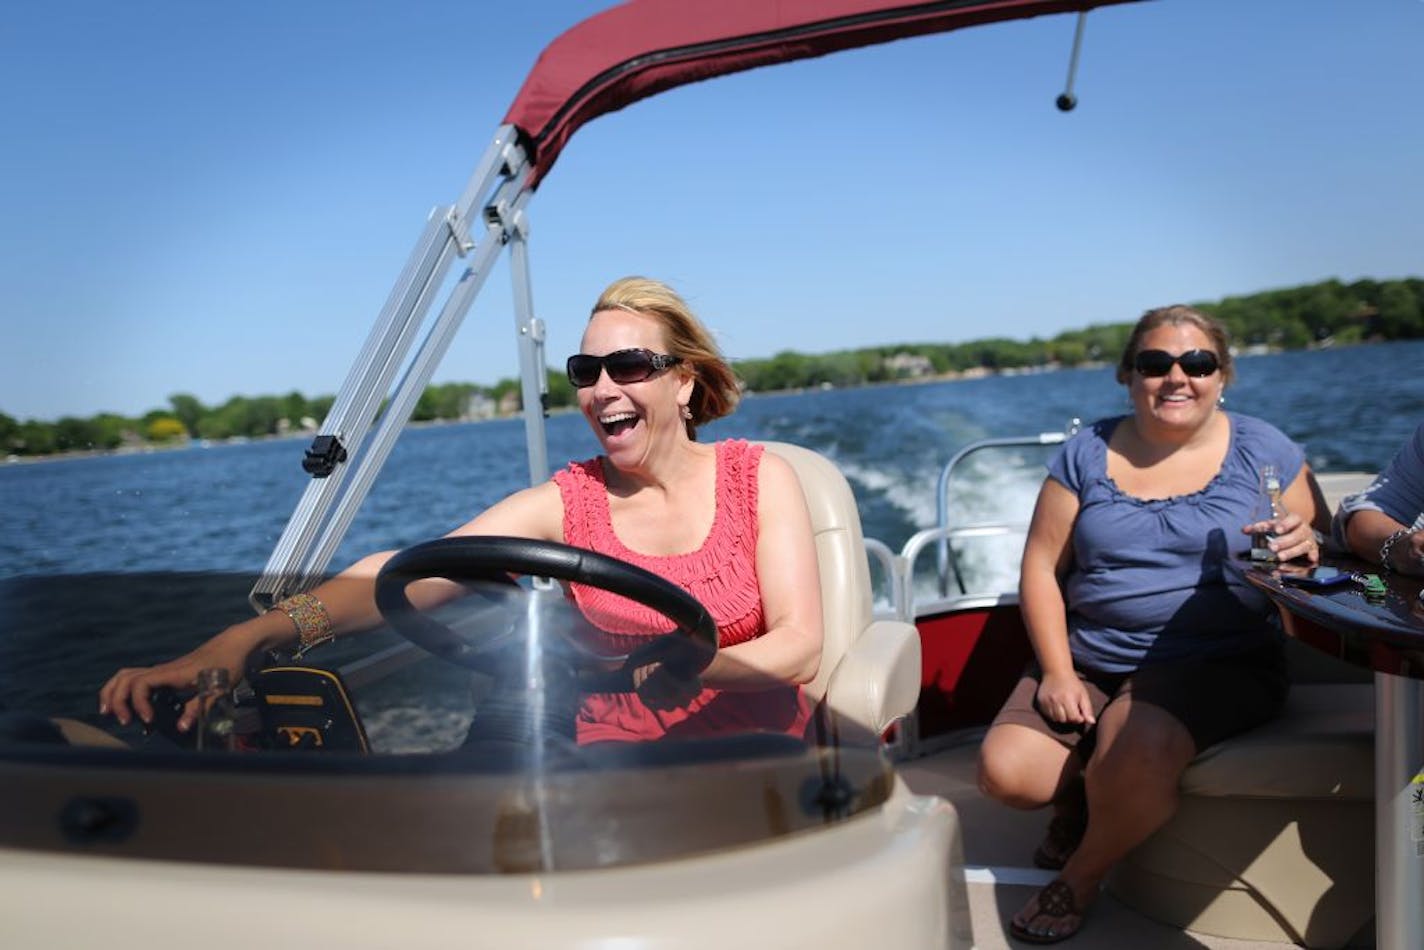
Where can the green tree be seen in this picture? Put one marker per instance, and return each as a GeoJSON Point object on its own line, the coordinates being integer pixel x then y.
{"type": "Point", "coordinates": [9, 433]}
{"type": "Point", "coordinates": [1070, 352]}
{"type": "Point", "coordinates": [561, 391]}
{"type": "Point", "coordinates": [109, 429]}
{"type": "Point", "coordinates": [187, 409]}
{"type": "Point", "coordinates": [294, 408]}
{"type": "Point", "coordinates": [35, 438]}
{"type": "Point", "coordinates": [1400, 315]}
{"type": "Point", "coordinates": [72, 434]}
{"type": "Point", "coordinates": [320, 406]}
{"type": "Point", "coordinates": [424, 410]}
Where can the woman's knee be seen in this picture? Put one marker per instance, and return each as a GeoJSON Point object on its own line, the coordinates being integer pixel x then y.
{"type": "Point", "coordinates": [1019, 771]}
{"type": "Point", "coordinates": [998, 778]}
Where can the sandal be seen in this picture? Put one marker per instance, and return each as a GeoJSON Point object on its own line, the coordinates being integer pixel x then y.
{"type": "Point", "coordinates": [1057, 901]}
{"type": "Point", "coordinates": [1065, 832]}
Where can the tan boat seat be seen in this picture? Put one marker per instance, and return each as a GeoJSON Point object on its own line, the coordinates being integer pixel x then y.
{"type": "Point", "coordinates": [1274, 836]}
{"type": "Point", "coordinates": [81, 733]}
{"type": "Point", "coordinates": [870, 669]}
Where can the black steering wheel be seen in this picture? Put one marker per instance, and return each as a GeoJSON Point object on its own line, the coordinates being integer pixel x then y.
{"type": "Point", "coordinates": [685, 652]}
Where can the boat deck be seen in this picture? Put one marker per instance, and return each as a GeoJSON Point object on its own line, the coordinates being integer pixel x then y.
{"type": "Point", "coordinates": [998, 841]}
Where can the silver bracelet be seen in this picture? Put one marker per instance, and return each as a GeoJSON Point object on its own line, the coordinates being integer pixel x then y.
{"type": "Point", "coordinates": [1387, 548]}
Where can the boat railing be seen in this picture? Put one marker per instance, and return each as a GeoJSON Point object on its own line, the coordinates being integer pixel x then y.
{"type": "Point", "coordinates": [900, 568]}
{"type": "Point", "coordinates": [944, 551]}
{"type": "Point", "coordinates": [945, 536]}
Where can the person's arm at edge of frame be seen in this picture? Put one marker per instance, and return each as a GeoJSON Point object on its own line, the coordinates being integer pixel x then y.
{"type": "Point", "coordinates": [1364, 527]}
{"type": "Point", "coordinates": [348, 599]}
{"type": "Point", "coordinates": [1368, 530]}
{"type": "Point", "coordinates": [789, 652]}
{"type": "Point", "coordinates": [1047, 555]}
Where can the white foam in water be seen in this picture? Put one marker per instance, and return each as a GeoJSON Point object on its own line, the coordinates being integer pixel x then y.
{"type": "Point", "coordinates": [911, 492]}
{"type": "Point", "coordinates": [998, 487]}
{"type": "Point", "coordinates": [992, 486]}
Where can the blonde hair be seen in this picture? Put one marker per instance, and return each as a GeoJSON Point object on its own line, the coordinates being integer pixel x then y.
{"type": "Point", "coordinates": [715, 389]}
{"type": "Point", "coordinates": [1176, 315]}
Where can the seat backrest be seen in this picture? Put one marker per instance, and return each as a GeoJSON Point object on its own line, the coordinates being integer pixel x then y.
{"type": "Point", "coordinates": [846, 596]}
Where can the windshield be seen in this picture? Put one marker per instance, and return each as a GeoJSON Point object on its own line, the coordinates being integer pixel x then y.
{"type": "Point", "coordinates": [374, 752]}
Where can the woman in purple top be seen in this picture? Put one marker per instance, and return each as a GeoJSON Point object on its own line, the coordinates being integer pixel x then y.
{"type": "Point", "coordinates": [1148, 650]}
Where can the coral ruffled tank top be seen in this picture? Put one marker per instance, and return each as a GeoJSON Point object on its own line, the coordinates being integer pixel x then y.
{"type": "Point", "coordinates": [721, 574]}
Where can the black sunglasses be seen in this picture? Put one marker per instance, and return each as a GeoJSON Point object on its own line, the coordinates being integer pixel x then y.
{"type": "Point", "coordinates": [1195, 363]}
{"type": "Point", "coordinates": [624, 366]}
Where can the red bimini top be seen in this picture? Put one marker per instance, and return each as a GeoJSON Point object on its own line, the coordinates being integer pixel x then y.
{"type": "Point", "coordinates": [644, 47]}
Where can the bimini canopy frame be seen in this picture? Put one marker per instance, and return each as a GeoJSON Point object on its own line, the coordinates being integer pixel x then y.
{"type": "Point", "coordinates": [608, 61]}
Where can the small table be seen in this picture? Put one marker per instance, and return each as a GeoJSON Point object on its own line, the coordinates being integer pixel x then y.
{"type": "Point", "coordinates": [1384, 634]}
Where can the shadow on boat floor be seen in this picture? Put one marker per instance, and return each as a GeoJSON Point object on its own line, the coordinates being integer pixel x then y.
{"type": "Point", "coordinates": [998, 842]}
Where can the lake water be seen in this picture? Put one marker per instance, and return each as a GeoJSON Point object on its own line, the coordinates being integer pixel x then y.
{"type": "Point", "coordinates": [218, 511]}
{"type": "Point", "coordinates": [222, 508]}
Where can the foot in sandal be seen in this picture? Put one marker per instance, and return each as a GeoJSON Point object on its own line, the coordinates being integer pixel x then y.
{"type": "Point", "coordinates": [1053, 914]}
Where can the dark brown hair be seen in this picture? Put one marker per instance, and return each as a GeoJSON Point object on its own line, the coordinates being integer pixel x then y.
{"type": "Point", "coordinates": [1176, 315]}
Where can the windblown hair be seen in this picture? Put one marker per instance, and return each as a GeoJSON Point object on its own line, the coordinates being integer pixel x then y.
{"type": "Point", "coordinates": [1177, 315]}
{"type": "Point", "coordinates": [716, 389]}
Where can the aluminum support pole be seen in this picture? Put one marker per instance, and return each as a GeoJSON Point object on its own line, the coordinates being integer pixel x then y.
{"type": "Point", "coordinates": [534, 381]}
{"type": "Point", "coordinates": [413, 383]}
{"type": "Point", "coordinates": [351, 414]}
{"type": "Point", "coordinates": [296, 559]}
{"type": "Point", "coordinates": [1399, 812]}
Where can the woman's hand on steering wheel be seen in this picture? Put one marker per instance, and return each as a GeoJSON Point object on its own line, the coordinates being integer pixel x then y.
{"type": "Point", "coordinates": [661, 689]}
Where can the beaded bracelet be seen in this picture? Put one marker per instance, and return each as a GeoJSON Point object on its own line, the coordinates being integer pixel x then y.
{"type": "Point", "coordinates": [310, 618]}
{"type": "Point", "coordinates": [1388, 547]}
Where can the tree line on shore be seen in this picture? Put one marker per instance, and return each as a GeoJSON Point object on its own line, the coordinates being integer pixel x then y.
{"type": "Point", "coordinates": [1329, 312]}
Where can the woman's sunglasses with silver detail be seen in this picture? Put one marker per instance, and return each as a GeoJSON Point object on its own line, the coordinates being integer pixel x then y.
{"type": "Point", "coordinates": [624, 366]}
{"type": "Point", "coordinates": [1195, 363]}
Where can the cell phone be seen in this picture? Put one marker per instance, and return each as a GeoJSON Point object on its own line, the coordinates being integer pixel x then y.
{"type": "Point", "coordinates": [1318, 577]}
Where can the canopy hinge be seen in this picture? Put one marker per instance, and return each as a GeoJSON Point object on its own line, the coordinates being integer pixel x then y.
{"type": "Point", "coordinates": [511, 223]}
{"type": "Point", "coordinates": [458, 231]}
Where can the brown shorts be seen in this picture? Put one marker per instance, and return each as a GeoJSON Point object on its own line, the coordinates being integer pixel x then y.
{"type": "Point", "coordinates": [1214, 698]}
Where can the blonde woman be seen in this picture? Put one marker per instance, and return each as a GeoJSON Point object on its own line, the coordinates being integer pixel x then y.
{"type": "Point", "coordinates": [726, 521]}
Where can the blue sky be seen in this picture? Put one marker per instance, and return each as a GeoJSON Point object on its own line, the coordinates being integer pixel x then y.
{"type": "Point", "coordinates": [216, 198]}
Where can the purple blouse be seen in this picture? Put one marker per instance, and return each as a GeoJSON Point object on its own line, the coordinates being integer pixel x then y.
{"type": "Point", "coordinates": [1147, 583]}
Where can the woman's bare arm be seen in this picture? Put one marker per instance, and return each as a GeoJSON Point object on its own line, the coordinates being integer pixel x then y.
{"type": "Point", "coordinates": [349, 602]}
{"type": "Point", "coordinates": [1047, 555]}
{"type": "Point", "coordinates": [790, 579]}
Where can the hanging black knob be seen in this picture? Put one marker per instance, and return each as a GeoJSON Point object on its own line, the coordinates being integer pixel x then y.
{"type": "Point", "coordinates": [1067, 100]}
